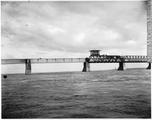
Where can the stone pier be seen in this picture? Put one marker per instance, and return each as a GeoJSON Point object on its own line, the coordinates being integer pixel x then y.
{"type": "Point", "coordinates": [27, 67]}
{"type": "Point", "coordinates": [149, 66]}
{"type": "Point", "coordinates": [86, 66]}
{"type": "Point", "coordinates": [121, 66]}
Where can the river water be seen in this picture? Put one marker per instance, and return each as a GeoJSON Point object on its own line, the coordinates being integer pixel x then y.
{"type": "Point", "coordinates": [96, 94]}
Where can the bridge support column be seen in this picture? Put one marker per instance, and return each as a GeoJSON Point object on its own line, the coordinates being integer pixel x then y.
{"type": "Point", "coordinates": [86, 67]}
{"type": "Point", "coordinates": [27, 67]}
{"type": "Point", "coordinates": [149, 66]}
{"type": "Point", "coordinates": [121, 66]}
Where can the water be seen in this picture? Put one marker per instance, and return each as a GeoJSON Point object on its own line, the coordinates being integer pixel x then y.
{"type": "Point", "coordinates": [97, 94]}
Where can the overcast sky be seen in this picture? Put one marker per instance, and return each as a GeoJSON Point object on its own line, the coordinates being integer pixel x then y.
{"type": "Point", "coordinates": [71, 29]}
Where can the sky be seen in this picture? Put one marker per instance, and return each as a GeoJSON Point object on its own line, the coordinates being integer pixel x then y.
{"type": "Point", "coordinates": [71, 29]}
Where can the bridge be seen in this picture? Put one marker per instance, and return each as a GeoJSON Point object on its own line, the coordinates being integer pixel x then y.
{"type": "Point", "coordinates": [94, 57]}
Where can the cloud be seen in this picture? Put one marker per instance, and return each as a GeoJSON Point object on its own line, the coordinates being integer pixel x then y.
{"type": "Point", "coordinates": [72, 28]}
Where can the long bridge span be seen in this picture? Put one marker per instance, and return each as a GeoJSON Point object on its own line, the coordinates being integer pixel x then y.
{"type": "Point", "coordinates": [107, 59]}
{"type": "Point", "coordinates": [102, 59]}
{"type": "Point", "coordinates": [93, 58]}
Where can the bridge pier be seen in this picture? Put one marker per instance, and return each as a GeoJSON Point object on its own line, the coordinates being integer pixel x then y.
{"type": "Point", "coordinates": [121, 66]}
{"type": "Point", "coordinates": [149, 66]}
{"type": "Point", "coordinates": [27, 67]}
{"type": "Point", "coordinates": [86, 67]}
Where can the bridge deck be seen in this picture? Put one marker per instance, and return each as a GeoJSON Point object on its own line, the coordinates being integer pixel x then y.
{"type": "Point", "coordinates": [116, 59]}
{"type": "Point", "coordinates": [44, 60]}
{"type": "Point", "coordinates": [107, 59]}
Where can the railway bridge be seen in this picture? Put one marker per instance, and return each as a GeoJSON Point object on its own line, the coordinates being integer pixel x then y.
{"type": "Point", "coordinates": [94, 57]}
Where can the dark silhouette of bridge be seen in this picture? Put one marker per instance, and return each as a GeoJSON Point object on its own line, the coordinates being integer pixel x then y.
{"type": "Point", "coordinates": [94, 57]}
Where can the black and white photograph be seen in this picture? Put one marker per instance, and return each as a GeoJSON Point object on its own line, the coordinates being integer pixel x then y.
{"type": "Point", "coordinates": [76, 59]}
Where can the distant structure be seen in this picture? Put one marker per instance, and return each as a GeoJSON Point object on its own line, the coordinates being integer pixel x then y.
{"type": "Point", "coordinates": [95, 53]}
